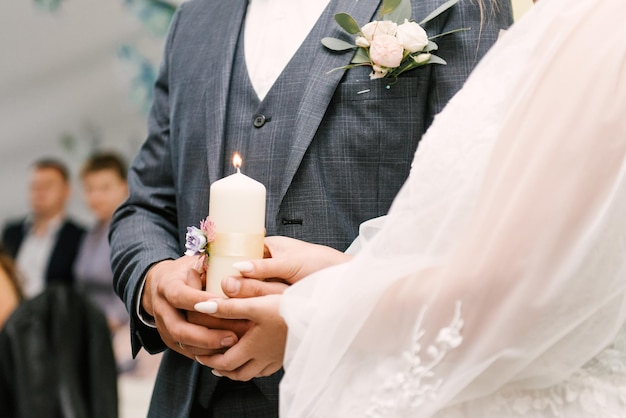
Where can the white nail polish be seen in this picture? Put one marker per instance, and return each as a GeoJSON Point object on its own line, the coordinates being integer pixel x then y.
{"type": "Point", "coordinates": [208, 307]}
{"type": "Point", "coordinates": [216, 373]}
{"type": "Point", "coordinates": [198, 360]}
{"type": "Point", "coordinates": [243, 266]}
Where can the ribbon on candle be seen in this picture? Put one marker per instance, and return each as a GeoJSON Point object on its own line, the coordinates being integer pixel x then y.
{"type": "Point", "coordinates": [238, 245]}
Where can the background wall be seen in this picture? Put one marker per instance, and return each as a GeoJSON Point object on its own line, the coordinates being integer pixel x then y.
{"type": "Point", "coordinates": [520, 7]}
{"type": "Point", "coordinates": [72, 80]}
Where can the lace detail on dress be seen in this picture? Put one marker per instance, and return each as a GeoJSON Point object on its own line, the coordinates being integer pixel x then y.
{"type": "Point", "coordinates": [597, 390]}
{"type": "Point", "coordinates": [405, 391]}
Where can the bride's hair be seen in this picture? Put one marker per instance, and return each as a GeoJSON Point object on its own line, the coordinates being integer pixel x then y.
{"type": "Point", "coordinates": [488, 8]}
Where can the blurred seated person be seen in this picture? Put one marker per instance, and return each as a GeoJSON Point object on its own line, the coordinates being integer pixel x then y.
{"type": "Point", "coordinates": [10, 291]}
{"type": "Point", "coordinates": [103, 178]}
{"type": "Point", "coordinates": [45, 243]}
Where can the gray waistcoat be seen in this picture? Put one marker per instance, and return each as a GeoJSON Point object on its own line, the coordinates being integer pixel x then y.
{"type": "Point", "coordinates": [262, 131]}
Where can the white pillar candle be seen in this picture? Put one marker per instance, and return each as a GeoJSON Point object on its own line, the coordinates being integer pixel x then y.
{"type": "Point", "coordinates": [237, 207]}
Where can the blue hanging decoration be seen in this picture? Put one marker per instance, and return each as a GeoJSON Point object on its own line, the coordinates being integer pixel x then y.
{"type": "Point", "coordinates": [155, 15]}
{"type": "Point", "coordinates": [48, 5]}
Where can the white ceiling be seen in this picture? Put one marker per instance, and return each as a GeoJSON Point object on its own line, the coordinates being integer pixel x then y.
{"type": "Point", "coordinates": [60, 75]}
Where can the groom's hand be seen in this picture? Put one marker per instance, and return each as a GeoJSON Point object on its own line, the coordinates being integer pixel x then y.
{"type": "Point", "coordinates": [171, 290]}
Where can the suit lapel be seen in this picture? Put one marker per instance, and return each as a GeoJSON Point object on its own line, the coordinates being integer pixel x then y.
{"type": "Point", "coordinates": [321, 85]}
{"type": "Point", "coordinates": [216, 92]}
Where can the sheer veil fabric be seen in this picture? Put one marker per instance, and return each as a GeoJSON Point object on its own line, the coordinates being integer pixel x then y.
{"type": "Point", "coordinates": [497, 286]}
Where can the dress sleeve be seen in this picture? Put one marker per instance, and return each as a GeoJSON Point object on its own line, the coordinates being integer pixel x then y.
{"type": "Point", "coordinates": [501, 262]}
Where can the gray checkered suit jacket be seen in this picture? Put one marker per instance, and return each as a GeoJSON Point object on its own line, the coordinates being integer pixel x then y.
{"type": "Point", "coordinates": [345, 157]}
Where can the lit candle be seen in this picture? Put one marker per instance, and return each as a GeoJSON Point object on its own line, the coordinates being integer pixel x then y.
{"type": "Point", "coordinates": [237, 207]}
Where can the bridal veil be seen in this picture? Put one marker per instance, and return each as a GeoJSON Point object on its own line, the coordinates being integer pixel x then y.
{"type": "Point", "coordinates": [501, 265]}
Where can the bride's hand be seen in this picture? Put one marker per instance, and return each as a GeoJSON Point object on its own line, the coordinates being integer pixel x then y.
{"type": "Point", "coordinates": [286, 261]}
{"type": "Point", "coordinates": [261, 350]}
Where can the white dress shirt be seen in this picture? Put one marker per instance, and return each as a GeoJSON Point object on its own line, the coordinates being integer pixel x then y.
{"type": "Point", "coordinates": [34, 255]}
{"type": "Point", "coordinates": [274, 30]}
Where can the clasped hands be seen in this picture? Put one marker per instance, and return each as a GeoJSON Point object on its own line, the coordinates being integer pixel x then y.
{"type": "Point", "coordinates": [241, 337]}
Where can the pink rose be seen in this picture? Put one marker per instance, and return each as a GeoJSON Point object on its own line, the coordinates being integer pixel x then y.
{"type": "Point", "coordinates": [386, 51]}
{"type": "Point", "coordinates": [208, 227]}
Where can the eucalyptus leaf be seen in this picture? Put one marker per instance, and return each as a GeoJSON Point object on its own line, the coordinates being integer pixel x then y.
{"type": "Point", "coordinates": [360, 57]}
{"type": "Point", "coordinates": [389, 6]}
{"type": "Point", "coordinates": [430, 47]}
{"type": "Point", "coordinates": [449, 32]}
{"type": "Point", "coordinates": [348, 23]}
{"type": "Point", "coordinates": [439, 10]}
{"type": "Point", "coordinates": [434, 59]}
{"type": "Point", "coordinates": [337, 44]}
{"type": "Point", "coordinates": [345, 67]}
{"type": "Point", "coordinates": [401, 13]}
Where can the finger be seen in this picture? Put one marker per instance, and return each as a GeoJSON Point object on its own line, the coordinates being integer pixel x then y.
{"type": "Point", "coordinates": [268, 268]}
{"type": "Point", "coordinates": [270, 369]}
{"type": "Point", "coordinates": [221, 366]}
{"type": "Point", "coordinates": [248, 371]}
{"type": "Point", "coordinates": [235, 308]}
{"type": "Point", "coordinates": [174, 327]}
{"type": "Point", "coordinates": [192, 352]}
{"type": "Point", "coordinates": [246, 288]}
{"type": "Point", "coordinates": [200, 264]}
{"type": "Point", "coordinates": [199, 340]}
{"type": "Point", "coordinates": [195, 279]}
{"type": "Point", "coordinates": [238, 326]}
{"type": "Point", "coordinates": [224, 362]}
{"type": "Point", "coordinates": [181, 295]}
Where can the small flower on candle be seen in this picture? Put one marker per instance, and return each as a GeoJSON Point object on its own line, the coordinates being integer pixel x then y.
{"type": "Point", "coordinates": [195, 241]}
{"type": "Point", "coordinates": [208, 227]}
{"type": "Point", "coordinates": [237, 161]}
{"type": "Point", "coordinates": [198, 240]}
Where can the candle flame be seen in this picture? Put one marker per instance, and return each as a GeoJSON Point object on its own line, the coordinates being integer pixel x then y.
{"type": "Point", "coordinates": [237, 161]}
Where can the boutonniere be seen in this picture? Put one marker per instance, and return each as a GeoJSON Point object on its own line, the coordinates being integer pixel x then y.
{"type": "Point", "coordinates": [198, 240]}
{"type": "Point", "coordinates": [392, 45]}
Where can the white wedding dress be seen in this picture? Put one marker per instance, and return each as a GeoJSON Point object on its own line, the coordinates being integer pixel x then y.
{"type": "Point", "coordinates": [497, 286]}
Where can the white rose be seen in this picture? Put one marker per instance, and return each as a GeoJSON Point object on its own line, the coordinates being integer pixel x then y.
{"type": "Point", "coordinates": [386, 51]}
{"type": "Point", "coordinates": [378, 72]}
{"type": "Point", "coordinates": [362, 42]}
{"type": "Point", "coordinates": [384, 27]}
{"type": "Point", "coordinates": [412, 37]}
{"type": "Point", "coordinates": [422, 58]}
{"type": "Point", "coordinates": [387, 27]}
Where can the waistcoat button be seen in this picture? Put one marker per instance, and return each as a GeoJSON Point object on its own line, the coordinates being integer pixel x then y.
{"type": "Point", "coordinates": [259, 120]}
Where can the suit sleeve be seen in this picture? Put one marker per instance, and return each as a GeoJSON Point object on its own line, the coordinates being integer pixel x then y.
{"type": "Point", "coordinates": [144, 229]}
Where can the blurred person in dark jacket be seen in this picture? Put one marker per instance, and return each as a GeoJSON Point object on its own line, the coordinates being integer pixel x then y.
{"type": "Point", "coordinates": [45, 243]}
